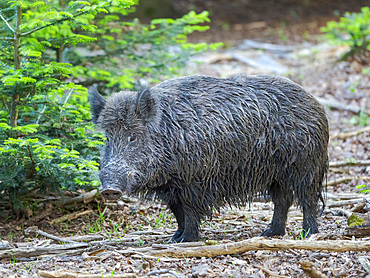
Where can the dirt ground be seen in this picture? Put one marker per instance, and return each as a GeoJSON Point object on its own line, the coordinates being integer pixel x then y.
{"type": "Point", "coordinates": [123, 233]}
{"type": "Point", "coordinates": [281, 21]}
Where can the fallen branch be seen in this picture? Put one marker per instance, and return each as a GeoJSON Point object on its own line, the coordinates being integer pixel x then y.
{"type": "Point", "coordinates": [340, 106]}
{"type": "Point", "coordinates": [360, 206]}
{"type": "Point", "coordinates": [181, 244]}
{"type": "Point", "coordinates": [267, 63]}
{"type": "Point", "coordinates": [34, 230]}
{"type": "Point", "coordinates": [177, 251]}
{"type": "Point", "coordinates": [349, 163]}
{"type": "Point", "coordinates": [72, 239]}
{"type": "Point", "coordinates": [72, 247]}
{"type": "Point", "coordinates": [344, 203]}
{"type": "Point", "coordinates": [83, 198]}
{"type": "Point", "coordinates": [5, 245]}
{"type": "Point", "coordinates": [261, 244]}
{"type": "Point", "coordinates": [26, 252]}
{"type": "Point", "coordinates": [162, 271]}
{"type": "Point", "coordinates": [344, 196]}
{"type": "Point", "coordinates": [266, 46]}
{"type": "Point", "coordinates": [269, 272]}
{"type": "Point", "coordinates": [343, 135]}
{"type": "Point", "coordinates": [346, 179]}
{"type": "Point", "coordinates": [70, 216]}
{"type": "Point", "coordinates": [340, 212]}
{"type": "Point", "coordinates": [310, 270]}
{"type": "Point", "coordinates": [71, 274]}
{"type": "Point", "coordinates": [85, 238]}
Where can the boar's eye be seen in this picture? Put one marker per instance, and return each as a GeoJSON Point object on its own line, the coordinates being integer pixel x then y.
{"type": "Point", "coordinates": [132, 138]}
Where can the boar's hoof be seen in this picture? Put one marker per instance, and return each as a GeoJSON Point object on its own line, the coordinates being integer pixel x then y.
{"type": "Point", "coordinates": [174, 240]}
{"type": "Point", "coordinates": [185, 237]}
{"type": "Point", "coordinates": [176, 237]}
{"type": "Point", "coordinates": [273, 232]}
{"type": "Point", "coordinates": [111, 194]}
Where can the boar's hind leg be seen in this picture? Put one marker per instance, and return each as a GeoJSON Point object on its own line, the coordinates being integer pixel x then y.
{"type": "Point", "coordinates": [310, 215]}
{"type": "Point", "coordinates": [178, 211]}
{"type": "Point", "coordinates": [282, 201]}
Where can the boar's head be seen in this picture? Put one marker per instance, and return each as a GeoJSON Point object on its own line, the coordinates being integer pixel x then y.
{"type": "Point", "coordinates": [129, 157]}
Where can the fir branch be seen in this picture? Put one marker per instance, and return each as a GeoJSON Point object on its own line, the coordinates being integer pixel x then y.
{"type": "Point", "coordinates": [53, 23]}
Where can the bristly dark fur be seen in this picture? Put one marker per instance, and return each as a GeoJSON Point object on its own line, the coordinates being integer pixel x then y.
{"type": "Point", "coordinates": [204, 141]}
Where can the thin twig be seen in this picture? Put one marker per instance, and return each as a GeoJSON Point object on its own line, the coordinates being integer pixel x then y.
{"type": "Point", "coordinates": [162, 271]}
{"type": "Point", "coordinates": [349, 163]}
{"type": "Point", "coordinates": [269, 272]}
{"type": "Point", "coordinates": [344, 135]}
{"type": "Point", "coordinates": [70, 216]}
{"type": "Point", "coordinates": [334, 104]}
{"type": "Point", "coordinates": [40, 115]}
{"type": "Point", "coordinates": [69, 94]}
{"type": "Point", "coordinates": [346, 179]}
{"type": "Point", "coordinates": [35, 230]}
{"type": "Point", "coordinates": [31, 157]}
{"type": "Point", "coordinates": [7, 23]}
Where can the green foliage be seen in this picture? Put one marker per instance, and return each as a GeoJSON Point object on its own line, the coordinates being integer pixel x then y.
{"type": "Point", "coordinates": [301, 236]}
{"type": "Point", "coordinates": [353, 30]}
{"type": "Point", "coordinates": [362, 119]}
{"type": "Point", "coordinates": [364, 188]}
{"type": "Point", "coordinates": [129, 52]}
{"type": "Point", "coordinates": [164, 219]}
{"type": "Point", "coordinates": [44, 138]}
{"type": "Point", "coordinates": [354, 221]}
{"type": "Point", "coordinates": [366, 71]}
{"type": "Point", "coordinates": [47, 58]}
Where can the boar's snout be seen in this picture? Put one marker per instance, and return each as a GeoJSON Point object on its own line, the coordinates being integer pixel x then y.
{"type": "Point", "coordinates": [111, 193]}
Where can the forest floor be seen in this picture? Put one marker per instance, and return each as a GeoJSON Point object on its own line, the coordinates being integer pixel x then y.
{"type": "Point", "coordinates": [121, 239]}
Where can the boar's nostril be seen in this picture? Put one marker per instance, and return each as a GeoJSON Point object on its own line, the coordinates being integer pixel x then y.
{"type": "Point", "coordinates": [111, 194]}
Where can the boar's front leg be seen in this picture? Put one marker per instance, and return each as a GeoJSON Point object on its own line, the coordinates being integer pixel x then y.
{"type": "Point", "coordinates": [188, 223]}
{"type": "Point", "coordinates": [191, 230]}
{"type": "Point", "coordinates": [178, 211]}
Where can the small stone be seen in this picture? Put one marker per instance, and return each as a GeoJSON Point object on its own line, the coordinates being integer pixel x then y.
{"type": "Point", "coordinates": [200, 271]}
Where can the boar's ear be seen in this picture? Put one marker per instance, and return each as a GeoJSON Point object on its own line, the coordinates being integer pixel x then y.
{"type": "Point", "coordinates": [97, 102]}
{"type": "Point", "coordinates": [146, 105]}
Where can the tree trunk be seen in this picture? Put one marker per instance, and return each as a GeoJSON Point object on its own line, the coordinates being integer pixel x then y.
{"type": "Point", "coordinates": [17, 65]}
{"type": "Point", "coordinates": [59, 53]}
